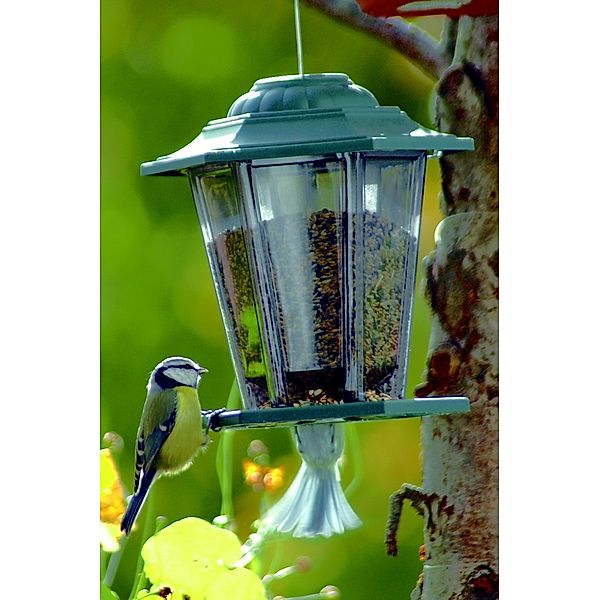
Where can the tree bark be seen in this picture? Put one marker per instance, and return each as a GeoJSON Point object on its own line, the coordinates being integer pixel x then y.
{"type": "Point", "coordinates": [459, 496]}
{"type": "Point", "coordinates": [417, 45]}
{"type": "Point", "coordinates": [460, 453]}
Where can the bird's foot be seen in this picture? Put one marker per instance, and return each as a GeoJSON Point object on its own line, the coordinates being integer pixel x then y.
{"type": "Point", "coordinates": [210, 415]}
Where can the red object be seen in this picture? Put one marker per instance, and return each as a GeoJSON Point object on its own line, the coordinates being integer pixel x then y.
{"type": "Point", "coordinates": [393, 8]}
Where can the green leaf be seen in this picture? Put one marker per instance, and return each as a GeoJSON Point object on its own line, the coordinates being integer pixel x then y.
{"type": "Point", "coordinates": [106, 593]}
{"type": "Point", "coordinates": [192, 557]}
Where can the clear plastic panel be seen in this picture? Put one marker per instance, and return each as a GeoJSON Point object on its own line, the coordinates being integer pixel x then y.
{"type": "Point", "coordinates": [297, 222]}
{"type": "Point", "coordinates": [388, 211]}
{"type": "Point", "coordinates": [314, 261]}
{"type": "Point", "coordinates": [217, 203]}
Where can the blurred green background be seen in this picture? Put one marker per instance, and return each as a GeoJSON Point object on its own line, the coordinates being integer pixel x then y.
{"type": "Point", "coordinates": [167, 68]}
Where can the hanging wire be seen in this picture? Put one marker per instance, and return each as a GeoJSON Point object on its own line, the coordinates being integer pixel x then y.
{"type": "Point", "coordinates": [298, 37]}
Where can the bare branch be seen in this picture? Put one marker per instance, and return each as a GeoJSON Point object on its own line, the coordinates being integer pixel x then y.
{"type": "Point", "coordinates": [435, 509]}
{"type": "Point", "coordinates": [417, 498]}
{"type": "Point", "coordinates": [414, 43]}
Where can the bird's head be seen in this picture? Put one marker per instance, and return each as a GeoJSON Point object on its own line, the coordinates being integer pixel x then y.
{"type": "Point", "coordinates": [174, 372]}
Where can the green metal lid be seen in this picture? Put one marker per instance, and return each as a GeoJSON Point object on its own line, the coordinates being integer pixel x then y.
{"type": "Point", "coordinates": [293, 92]}
{"type": "Point", "coordinates": [304, 115]}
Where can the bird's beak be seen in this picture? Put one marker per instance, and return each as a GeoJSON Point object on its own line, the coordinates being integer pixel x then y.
{"type": "Point", "coordinates": [202, 370]}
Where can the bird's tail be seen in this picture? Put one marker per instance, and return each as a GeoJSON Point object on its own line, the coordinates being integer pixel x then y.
{"type": "Point", "coordinates": [137, 501]}
{"type": "Point", "coordinates": [313, 505]}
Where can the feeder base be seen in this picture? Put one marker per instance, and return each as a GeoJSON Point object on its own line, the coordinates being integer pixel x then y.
{"type": "Point", "coordinates": [328, 413]}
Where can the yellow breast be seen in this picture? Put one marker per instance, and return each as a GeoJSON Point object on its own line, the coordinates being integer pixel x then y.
{"type": "Point", "coordinates": [187, 435]}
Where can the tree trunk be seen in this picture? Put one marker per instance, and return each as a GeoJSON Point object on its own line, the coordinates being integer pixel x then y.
{"type": "Point", "coordinates": [460, 453]}
{"type": "Point", "coordinates": [459, 497]}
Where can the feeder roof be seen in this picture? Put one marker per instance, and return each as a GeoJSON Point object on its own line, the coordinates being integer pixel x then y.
{"type": "Point", "coordinates": [304, 115]}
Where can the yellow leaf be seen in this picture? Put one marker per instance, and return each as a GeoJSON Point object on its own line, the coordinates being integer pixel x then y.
{"type": "Point", "coordinates": [191, 557]}
{"type": "Point", "coordinates": [112, 502]}
{"type": "Point", "coordinates": [109, 537]}
{"type": "Point", "coordinates": [236, 584]}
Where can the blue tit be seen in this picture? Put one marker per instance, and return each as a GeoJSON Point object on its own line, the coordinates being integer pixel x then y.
{"type": "Point", "coordinates": [314, 504]}
{"type": "Point", "coordinates": [171, 429]}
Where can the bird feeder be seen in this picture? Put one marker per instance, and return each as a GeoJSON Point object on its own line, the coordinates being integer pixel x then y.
{"type": "Point", "coordinates": [309, 198]}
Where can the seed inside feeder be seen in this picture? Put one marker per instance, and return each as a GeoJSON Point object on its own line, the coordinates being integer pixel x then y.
{"type": "Point", "coordinates": [305, 262]}
{"type": "Point", "coordinates": [230, 251]}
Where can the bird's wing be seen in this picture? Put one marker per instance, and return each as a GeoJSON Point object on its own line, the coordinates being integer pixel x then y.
{"type": "Point", "coordinates": [150, 442]}
{"type": "Point", "coordinates": [139, 460]}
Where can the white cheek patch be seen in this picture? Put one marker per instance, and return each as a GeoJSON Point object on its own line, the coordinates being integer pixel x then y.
{"type": "Point", "coordinates": [184, 376]}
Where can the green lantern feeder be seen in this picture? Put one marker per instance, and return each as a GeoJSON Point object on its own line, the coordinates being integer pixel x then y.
{"type": "Point", "coordinates": [309, 198]}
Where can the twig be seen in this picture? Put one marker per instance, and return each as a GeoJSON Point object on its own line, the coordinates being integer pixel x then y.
{"type": "Point", "coordinates": [416, 496]}
{"type": "Point", "coordinates": [413, 42]}
{"type": "Point", "coordinates": [435, 509]}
